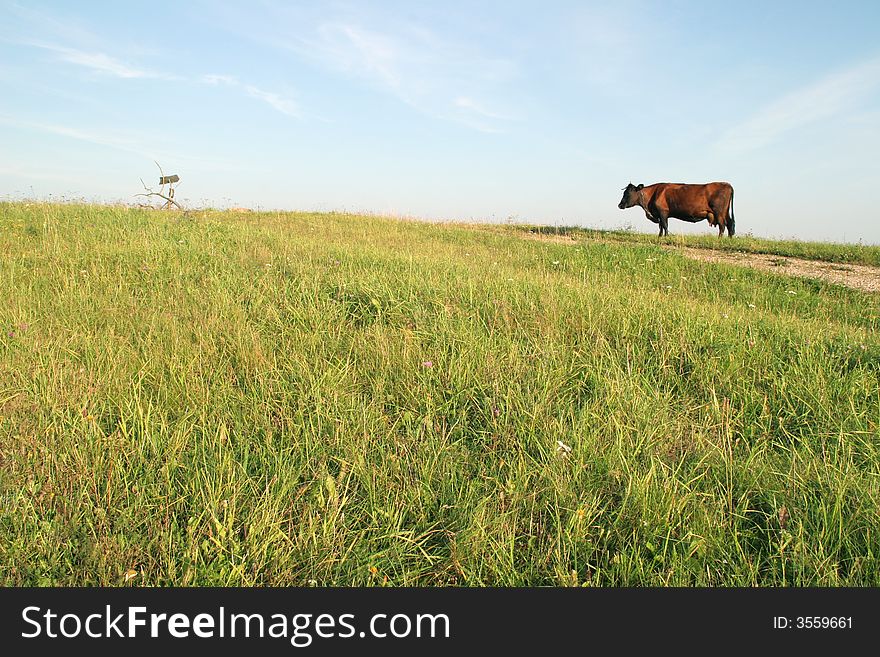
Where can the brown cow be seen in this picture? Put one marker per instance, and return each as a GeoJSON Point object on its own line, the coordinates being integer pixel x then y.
{"type": "Point", "coordinates": [712, 201]}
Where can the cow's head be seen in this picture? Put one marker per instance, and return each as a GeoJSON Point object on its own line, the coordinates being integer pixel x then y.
{"type": "Point", "coordinates": [630, 196]}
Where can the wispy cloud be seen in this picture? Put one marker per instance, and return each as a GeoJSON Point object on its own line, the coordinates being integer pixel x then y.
{"type": "Point", "coordinates": [427, 72]}
{"type": "Point", "coordinates": [72, 42]}
{"type": "Point", "coordinates": [470, 105]}
{"type": "Point", "coordinates": [278, 102]}
{"type": "Point", "coordinates": [284, 105]}
{"type": "Point", "coordinates": [33, 173]}
{"type": "Point", "coordinates": [351, 48]}
{"type": "Point", "coordinates": [827, 98]}
{"type": "Point", "coordinates": [29, 19]}
{"type": "Point", "coordinates": [119, 142]}
{"type": "Point", "coordinates": [102, 63]}
{"type": "Point", "coordinates": [219, 79]}
{"type": "Point", "coordinates": [145, 146]}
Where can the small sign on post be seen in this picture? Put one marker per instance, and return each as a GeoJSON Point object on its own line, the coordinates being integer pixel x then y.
{"type": "Point", "coordinates": [169, 180]}
{"type": "Point", "coordinates": [163, 180]}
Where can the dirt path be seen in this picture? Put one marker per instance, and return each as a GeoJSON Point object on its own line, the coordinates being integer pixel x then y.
{"type": "Point", "coordinates": [858, 277]}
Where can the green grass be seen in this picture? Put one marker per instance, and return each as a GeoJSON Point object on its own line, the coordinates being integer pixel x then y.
{"type": "Point", "coordinates": [329, 399]}
{"type": "Point", "coordinates": [743, 243]}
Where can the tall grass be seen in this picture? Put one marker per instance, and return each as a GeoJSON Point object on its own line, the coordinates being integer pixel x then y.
{"type": "Point", "coordinates": [328, 399]}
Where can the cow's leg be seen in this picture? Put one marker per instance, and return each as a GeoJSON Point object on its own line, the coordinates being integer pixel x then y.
{"type": "Point", "coordinates": [718, 215]}
{"type": "Point", "coordinates": [664, 224]}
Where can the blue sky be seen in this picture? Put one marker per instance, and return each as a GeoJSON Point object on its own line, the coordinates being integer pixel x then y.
{"type": "Point", "coordinates": [491, 111]}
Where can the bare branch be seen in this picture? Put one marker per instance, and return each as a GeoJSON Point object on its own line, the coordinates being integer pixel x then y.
{"type": "Point", "coordinates": [170, 200]}
{"type": "Point", "coordinates": [161, 176]}
{"type": "Point", "coordinates": [148, 191]}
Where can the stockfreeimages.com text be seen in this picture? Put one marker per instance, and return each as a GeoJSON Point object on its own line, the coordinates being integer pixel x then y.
{"type": "Point", "coordinates": [301, 629]}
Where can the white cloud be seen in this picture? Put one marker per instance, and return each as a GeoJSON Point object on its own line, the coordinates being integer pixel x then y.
{"type": "Point", "coordinates": [827, 98]}
{"type": "Point", "coordinates": [105, 64]}
{"type": "Point", "coordinates": [102, 63]}
{"type": "Point", "coordinates": [119, 142]}
{"type": "Point", "coordinates": [219, 79]}
{"type": "Point", "coordinates": [435, 76]}
{"type": "Point", "coordinates": [148, 147]}
{"type": "Point", "coordinates": [72, 42]}
{"type": "Point", "coordinates": [352, 48]}
{"type": "Point", "coordinates": [27, 19]}
{"type": "Point", "coordinates": [465, 103]}
{"type": "Point", "coordinates": [278, 102]}
{"type": "Point", "coordinates": [16, 170]}
{"type": "Point", "coordinates": [284, 105]}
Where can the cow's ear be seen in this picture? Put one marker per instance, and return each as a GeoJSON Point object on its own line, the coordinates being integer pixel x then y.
{"type": "Point", "coordinates": [641, 186]}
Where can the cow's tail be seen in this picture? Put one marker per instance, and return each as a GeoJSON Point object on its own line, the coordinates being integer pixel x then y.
{"type": "Point", "coordinates": [731, 223]}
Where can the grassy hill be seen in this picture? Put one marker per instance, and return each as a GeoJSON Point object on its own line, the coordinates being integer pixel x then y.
{"type": "Point", "coordinates": [329, 399]}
